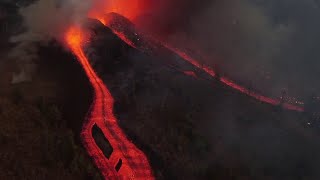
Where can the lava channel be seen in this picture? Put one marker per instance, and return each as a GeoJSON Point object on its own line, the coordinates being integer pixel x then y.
{"type": "Point", "coordinates": [134, 165]}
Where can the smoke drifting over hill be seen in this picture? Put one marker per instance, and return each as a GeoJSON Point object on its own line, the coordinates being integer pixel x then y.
{"type": "Point", "coordinates": [43, 21]}
{"type": "Point", "coordinates": [50, 18]}
{"type": "Point", "coordinates": [269, 45]}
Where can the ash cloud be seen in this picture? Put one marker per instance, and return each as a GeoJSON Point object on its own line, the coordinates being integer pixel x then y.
{"type": "Point", "coordinates": [269, 45]}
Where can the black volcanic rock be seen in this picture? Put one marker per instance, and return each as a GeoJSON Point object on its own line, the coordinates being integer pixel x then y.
{"type": "Point", "coordinates": [121, 24]}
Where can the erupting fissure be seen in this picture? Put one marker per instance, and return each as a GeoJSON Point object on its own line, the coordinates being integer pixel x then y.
{"type": "Point", "coordinates": [233, 84]}
{"type": "Point", "coordinates": [152, 41]}
{"type": "Point", "coordinates": [134, 163]}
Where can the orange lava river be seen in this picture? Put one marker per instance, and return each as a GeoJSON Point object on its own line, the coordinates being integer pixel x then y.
{"type": "Point", "coordinates": [134, 163]}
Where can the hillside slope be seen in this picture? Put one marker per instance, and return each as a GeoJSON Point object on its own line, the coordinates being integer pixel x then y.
{"type": "Point", "coordinates": [200, 129]}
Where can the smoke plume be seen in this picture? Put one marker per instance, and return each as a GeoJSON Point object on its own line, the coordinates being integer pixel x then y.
{"type": "Point", "coordinates": [43, 21]}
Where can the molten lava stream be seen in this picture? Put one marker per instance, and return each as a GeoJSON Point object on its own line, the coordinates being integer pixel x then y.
{"type": "Point", "coordinates": [134, 163]}
{"type": "Point", "coordinates": [232, 84]}
{"type": "Point", "coordinates": [196, 64]}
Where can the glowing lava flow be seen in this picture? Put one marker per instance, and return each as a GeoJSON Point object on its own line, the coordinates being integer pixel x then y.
{"type": "Point", "coordinates": [151, 41]}
{"type": "Point", "coordinates": [232, 84]}
{"type": "Point", "coordinates": [134, 163]}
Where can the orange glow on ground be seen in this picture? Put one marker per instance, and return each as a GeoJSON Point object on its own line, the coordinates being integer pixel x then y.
{"type": "Point", "coordinates": [134, 163]}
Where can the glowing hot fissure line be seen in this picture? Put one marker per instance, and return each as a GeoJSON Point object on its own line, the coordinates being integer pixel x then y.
{"type": "Point", "coordinates": [232, 84]}
{"type": "Point", "coordinates": [134, 163]}
{"type": "Point", "coordinates": [208, 70]}
{"type": "Point", "coordinates": [124, 38]}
